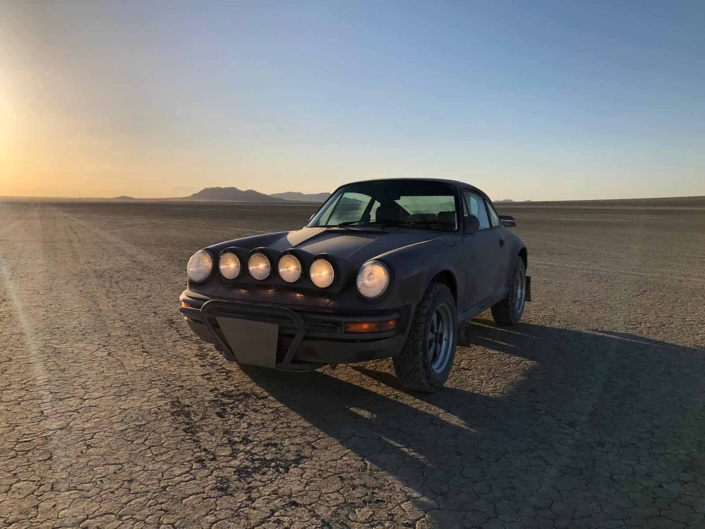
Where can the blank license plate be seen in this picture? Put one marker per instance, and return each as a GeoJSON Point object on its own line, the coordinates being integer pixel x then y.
{"type": "Point", "coordinates": [253, 342]}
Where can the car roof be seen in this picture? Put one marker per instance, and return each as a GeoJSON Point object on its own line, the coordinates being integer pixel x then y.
{"type": "Point", "coordinates": [454, 183]}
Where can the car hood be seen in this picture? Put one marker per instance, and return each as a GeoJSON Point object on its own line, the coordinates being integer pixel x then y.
{"type": "Point", "coordinates": [353, 245]}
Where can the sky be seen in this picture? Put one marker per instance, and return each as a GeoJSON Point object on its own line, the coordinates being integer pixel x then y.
{"type": "Point", "coordinates": [541, 100]}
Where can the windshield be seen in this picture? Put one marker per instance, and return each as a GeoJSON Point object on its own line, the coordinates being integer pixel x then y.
{"type": "Point", "coordinates": [420, 205]}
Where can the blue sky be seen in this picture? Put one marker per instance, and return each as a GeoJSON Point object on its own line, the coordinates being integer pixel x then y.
{"type": "Point", "coordinates": [527, 100]}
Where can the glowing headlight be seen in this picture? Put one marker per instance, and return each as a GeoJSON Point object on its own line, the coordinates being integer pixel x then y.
{"type": "Point", "coordinates": [199, 266]}
{"type": "Point", "coordinates": [258, 266]}
{"type": "Point", "coordinates": [289, 268]}
{"type": "Point", "coordinates": [322, 273]}
{"type": "Point", "coordinates": [372, 279]}
{"type": "Point", "coordinates": [229, 265]}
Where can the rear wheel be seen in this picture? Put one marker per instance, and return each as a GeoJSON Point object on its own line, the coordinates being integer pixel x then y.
{"type": "Point", "coordinates": [509, 310]}
{"type": "Point", "coordinates": [427, 357]}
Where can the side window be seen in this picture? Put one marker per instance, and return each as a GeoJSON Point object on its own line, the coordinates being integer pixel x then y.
{"type": "Point", "coordinates": [475, 204]}
{"type": "Point", "coordinates": [494, 218]}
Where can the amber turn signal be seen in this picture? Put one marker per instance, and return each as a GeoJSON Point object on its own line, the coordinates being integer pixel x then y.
{"type": "Point", "coordinates": [374, 326]}
{"type": "Point", "coordinates": [185, 305]}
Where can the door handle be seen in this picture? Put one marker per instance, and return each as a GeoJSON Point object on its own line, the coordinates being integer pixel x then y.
{"type": "Point", "coordinates": [501, 242]}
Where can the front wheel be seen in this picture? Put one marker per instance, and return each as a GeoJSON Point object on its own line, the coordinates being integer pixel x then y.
{"type": "Point", "coordinates": [427, 357]}
{"type": "Point", "coordinates": [509, 310]}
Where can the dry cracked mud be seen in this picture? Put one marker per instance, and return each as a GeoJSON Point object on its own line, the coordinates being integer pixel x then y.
{"type": "Point", "coordinates": [588, 414]}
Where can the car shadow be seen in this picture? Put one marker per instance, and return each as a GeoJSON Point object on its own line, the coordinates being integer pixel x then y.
{"type": "Point", "coordinates": [597, 426]}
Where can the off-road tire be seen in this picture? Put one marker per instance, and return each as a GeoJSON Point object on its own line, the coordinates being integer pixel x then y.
{"type": "Point", "coordinates": [411, 365]}
{"type": "Point", "coordinates": [505, 312]}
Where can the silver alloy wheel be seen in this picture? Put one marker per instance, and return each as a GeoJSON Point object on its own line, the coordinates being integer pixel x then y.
{"type": "Point", "coordinates": [519, 290]}
{"type": "Point", "coordinates": [440, 338]}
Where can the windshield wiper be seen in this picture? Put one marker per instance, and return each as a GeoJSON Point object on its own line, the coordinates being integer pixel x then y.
{"type": "Point", "coordinates": [352, 223]}
{"type": "Point", "coordinates": [380, 223]}
{"type": "Point", "coordinates": [428, 224]}
{"type": "Point", "coordinates": [403, 222]}
{"type": "Point", "coordinates": [392, 223]}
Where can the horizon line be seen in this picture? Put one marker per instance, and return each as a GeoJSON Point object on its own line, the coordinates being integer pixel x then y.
{"type": "Point", "coordinates": [184, 198]}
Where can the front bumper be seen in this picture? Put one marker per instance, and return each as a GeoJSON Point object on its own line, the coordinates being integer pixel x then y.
{"type": "Point", "coordinates": [307, 339]}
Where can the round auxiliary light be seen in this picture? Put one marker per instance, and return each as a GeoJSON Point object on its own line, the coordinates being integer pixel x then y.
{"type": "Point", "coordinates": [199, 266]}
{"type": "Point", "coordinates": [259, 266]}
{"type": "Point", "coordinates": [322, 273]}
{"type": "Point", "coordinates": [229, 265]}
{"type": "Point", "coordinates": [289, 268]}
{"type": "Point", "coordinates": [373, 279]}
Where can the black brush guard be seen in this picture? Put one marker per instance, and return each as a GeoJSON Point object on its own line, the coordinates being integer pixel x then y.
{"type": "Point", "coordinates": [289, 321]}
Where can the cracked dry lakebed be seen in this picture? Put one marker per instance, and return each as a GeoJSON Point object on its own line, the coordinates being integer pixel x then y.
{"type": "Point", "coordinates": [590, 413]}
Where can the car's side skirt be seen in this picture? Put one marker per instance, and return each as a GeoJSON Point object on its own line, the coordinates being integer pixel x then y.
{"type": "Point", "coordinates": [482, 306]}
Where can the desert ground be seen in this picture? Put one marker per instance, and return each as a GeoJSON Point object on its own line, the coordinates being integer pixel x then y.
{"type": "Point", "coordinates": [591, 413]}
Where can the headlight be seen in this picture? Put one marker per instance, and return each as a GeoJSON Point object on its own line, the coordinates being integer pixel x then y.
{"type": "Point", "coordinates": [372, 279]}
{"type": "Point", "coordinates": [322, 273]}
{"type": "Point", "coordinates": [258, 266]}
{"type": "Point", "coordinates": [289, 268]}
{"type": "Point", "coordinates": [229, 265]}
{"type": "Point", "coordinates": [199, 266]}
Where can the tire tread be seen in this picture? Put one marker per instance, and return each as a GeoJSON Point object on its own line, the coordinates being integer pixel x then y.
{"type": "Point", "coordinates": [410, 363]}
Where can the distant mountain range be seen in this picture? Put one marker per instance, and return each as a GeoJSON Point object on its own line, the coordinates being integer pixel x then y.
{"type": "Point", "coordinates": [233, 194]}
{"type": "Point", "coordinates": [301, 197]}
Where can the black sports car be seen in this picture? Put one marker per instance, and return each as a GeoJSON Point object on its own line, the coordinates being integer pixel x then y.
{"type": "Point", "coordinates": [385, 268]}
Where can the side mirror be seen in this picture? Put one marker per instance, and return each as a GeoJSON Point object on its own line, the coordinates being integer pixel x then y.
{"type": "Point", "coordinates": [507, 221]}
{"type": "Point", "coordinates": [472, 224]}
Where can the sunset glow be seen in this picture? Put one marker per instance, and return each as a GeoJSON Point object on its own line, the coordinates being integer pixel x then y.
{"type": "Point", "coordinates": [159, 99]}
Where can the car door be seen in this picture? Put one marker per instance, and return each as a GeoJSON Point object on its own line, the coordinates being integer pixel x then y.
{"type": "Point", "coordinates": [482, 251]}
{"type": "Point", "coordinates": [505, 264]}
